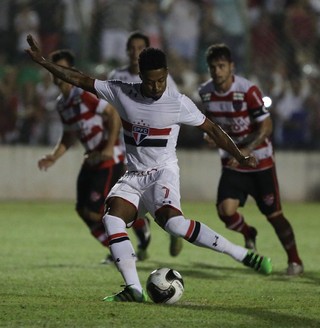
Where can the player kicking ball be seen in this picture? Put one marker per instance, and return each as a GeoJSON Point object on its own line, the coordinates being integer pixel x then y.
{"type": "Point", "coordinates": [151, 117]}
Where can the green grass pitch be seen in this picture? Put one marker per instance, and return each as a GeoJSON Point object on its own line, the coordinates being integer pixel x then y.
{"type": "Point", "coordinates": [50, 274]}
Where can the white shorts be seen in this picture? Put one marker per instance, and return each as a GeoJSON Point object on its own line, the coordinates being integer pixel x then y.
{"type": "Point", "coordinates": [150, 190]}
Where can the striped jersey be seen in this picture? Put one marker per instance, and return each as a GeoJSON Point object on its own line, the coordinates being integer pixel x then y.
{"type": "Point", "coordinates": [81, 113]}
{"type": "Point", "coordinates": [238, 111]}
{"type": "Point", "coordinates": [150, 127]}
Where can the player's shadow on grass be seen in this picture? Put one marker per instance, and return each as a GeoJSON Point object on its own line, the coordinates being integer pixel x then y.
{"type": "Point", "coordinates": [266, 318]}
{"type": "Point", "coordinates": [209, 271]}
{"type": "Point", "coordinates": [309, 277]}
{"type": "Point", "coordinates": [197, 269]}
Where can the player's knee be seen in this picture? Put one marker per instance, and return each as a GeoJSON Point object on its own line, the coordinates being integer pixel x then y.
{"type": "Point", "coordinates": [89, 217]}
{"type": "Point", "coordinates": [225, 210]}
{"type": "Point", "coordinates": [225, 215]}
{"type": "Point", "coordinates": [164, 214]}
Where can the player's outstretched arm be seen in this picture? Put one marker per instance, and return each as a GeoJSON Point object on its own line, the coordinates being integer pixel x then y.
{"type": "Point", "coordinates": [66, 74]}
{"type": "Point", "coordinates": [223, 140]}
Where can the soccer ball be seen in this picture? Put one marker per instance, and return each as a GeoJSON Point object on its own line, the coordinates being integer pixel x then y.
{"type": "Point", "coordinates": [165, 285]}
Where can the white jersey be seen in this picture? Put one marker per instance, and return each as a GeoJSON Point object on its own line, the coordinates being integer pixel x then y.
{"type": "Point", "coordinates": [123, 74]}
{"type": "Point", "coordinates": [150, 127]}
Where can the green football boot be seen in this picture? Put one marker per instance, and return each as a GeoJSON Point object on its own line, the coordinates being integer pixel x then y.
{"type": "Point", "coordinates": [257, 262]}
{"type": "Point", "coordinates": [128, 294]}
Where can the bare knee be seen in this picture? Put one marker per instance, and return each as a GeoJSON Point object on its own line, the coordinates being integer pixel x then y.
{"type": "Point", "coordinates": [164, 213]}
{"type": "Point", "coordinates": [88, 215]}
{"type": "Point", "coordinates": [228, 207]}
{"type": "Point", "coordinates": [120, 208]}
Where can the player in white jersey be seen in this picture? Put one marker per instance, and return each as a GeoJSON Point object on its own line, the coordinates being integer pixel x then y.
{"type": "Point", "coordinates": [236, 105]}
{"type": "Point", "coordinates": [151, 115]}
{"type": "Point", "coordinates": [136, 42]}
{"type": "Point", "coordinates": [93, 123]}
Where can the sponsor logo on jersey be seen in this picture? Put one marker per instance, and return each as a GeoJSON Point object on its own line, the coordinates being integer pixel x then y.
{"type": "Point", "coordinates": [139, 133]}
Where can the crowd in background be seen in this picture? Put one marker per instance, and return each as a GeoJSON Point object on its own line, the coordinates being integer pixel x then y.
{"type": "Point", "coordinates": [276, 44]}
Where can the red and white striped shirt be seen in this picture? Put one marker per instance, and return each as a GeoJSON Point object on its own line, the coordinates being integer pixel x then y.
{"type": "Point", "coordinates": [81, 113]}
{"type": "Point", "coordinates": [237, 111]}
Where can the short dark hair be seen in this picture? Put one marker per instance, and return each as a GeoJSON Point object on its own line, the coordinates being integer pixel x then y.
{"type": "Point", "coordinates": [138, 35]}
{"type": "Point", "coordinates": [152, 58]}
{"type": "Point", "coordinates": [218, 51]}
{"type": "Point", "coordinates": [65, 54]}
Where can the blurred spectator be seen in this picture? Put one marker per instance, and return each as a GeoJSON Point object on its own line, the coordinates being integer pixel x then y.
{"type": "Point", "coordinates": [232, 17]}
{"type": "Point", "coordinates": [8, 106]}
{"type": "Point", "coordinates": [291, 116]}
{"type": "Point", "coordinates": [77, 15]}
{"type": "Point", "coordinates": [29, 115]}
{"type": "Point", "coordinates": [210, 33]}
{"type": "Point", "coordinates": [117, 21]}
{"type": "Point", "coordinates": [182, 31]}
{"type": "Point", "coordinates": [26, 21]}
{"type": "Point", "coordinates": [312, 105]}
{"type": "Point", "coordinates": [300, 30]}
{"type": "Point", "coordinates": [315, 6]}
{"type": "Point", "coordinates": [265, 45]}
{"type": "Point", "coordinates": [50, 14]}
{"type": "Point", "coordinates": [50, 127]}
{"type": "Point", "coordinates": [149, 21]}
{"type": "Point", "coordinates": [5, 7]}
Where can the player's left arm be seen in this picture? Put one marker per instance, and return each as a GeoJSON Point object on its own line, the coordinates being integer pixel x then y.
{"type": "Point", "coordinates": [223, 140]}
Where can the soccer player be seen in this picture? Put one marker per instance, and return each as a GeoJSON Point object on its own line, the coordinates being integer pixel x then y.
{"type": "Point", "coordinates": [236, 105]}
{"type": "Point", "coordinates": [136, 42]}
{"type": "Point", "coordinates": [97, 126]}
{"type": "Point", "coordinates": [151, 116]}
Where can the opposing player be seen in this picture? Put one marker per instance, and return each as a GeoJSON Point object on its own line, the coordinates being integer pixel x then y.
{"type": "Point", "coordinates": [136, 42]}
{"type": "Point", "coordinates": [97, 126]}
{"type": "Point", "coordinates": [236, 105]}
{"type": "Point", "coordinates": [151, 117]}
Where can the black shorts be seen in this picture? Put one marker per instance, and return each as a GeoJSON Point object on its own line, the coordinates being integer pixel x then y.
{"type": "Point", "coordinates": [262, 186]}
{"type": "Point", "coordinates": [93, 185]}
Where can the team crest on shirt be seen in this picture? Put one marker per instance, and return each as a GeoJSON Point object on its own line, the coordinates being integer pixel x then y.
{"type": "Point", "coordinates": [268, 199]}
{"type": "Point", "coordinates": [139, 133]}
{"type": "Point", "coordinates": [237, 100]}
{"type": "Point", "coordinates": [206, 97]}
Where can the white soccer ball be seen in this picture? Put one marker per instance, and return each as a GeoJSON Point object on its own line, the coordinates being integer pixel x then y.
{"type": "Point", "coordinates": [165, 285]}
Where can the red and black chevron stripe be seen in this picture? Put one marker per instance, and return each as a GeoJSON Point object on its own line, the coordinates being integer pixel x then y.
{"type": "Point", "coordinates": [117, 238]}
{"type": "Point", "coordinates": [193, 231]}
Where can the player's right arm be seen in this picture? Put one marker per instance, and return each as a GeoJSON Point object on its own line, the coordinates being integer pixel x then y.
{"type": "Point", "coordinates": [223, 140]}
{"type": "Point", "coordinates": [66, 74]}
{"type": "Point", "coordinates": [61, 147]}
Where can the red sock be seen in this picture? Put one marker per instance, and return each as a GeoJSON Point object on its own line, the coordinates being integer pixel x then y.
{"type": "Point", "coordinates": [285, 234]}
{"type": "Point", "coordinates": [236, 222]}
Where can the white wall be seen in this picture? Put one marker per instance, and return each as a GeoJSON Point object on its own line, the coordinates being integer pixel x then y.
{"type": "Point", "coordinates": [298, 173]}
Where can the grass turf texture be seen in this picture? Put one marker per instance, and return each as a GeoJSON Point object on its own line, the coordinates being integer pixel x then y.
{"type": "Point", "coordinates": [50, 274]}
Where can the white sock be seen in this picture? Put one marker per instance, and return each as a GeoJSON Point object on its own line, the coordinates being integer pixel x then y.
{"type": "Point", "coordinates": [122, 250]}
{"type": "Point", "coordinates": [199, 234]}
